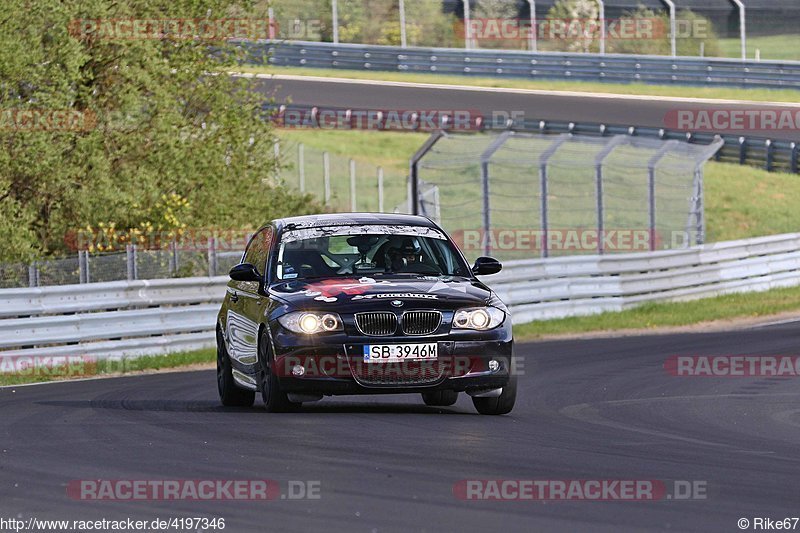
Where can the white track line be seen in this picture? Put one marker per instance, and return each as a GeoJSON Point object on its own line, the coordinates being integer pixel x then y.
{"type": "Point", "coordinates": [501, 90]}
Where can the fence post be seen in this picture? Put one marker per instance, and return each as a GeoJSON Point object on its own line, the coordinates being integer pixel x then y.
{"type": "Point", "coordinates": [326, 176]}
{"type": "Point", "coordinates": [82, 273]}
{"type": "Point", "coordinates": [353, 206]}
{"type": "Point", "coordinates": [380, 190]}
{"type": "Point", "coordinates": [33, 275]}
{"type": "Point", "coordinates": [212, 257]}
{"type": "Point", "coordinates": [335, 22]}
{"type": "Point", "coordinates": [403, 41]}
{"type": "Point", "coordinates": [793, 160]}
{"type": "Point", "coordinates": [486, 157]}
{"type": "Point", "coordinates": [301, 166]}
{"type": "Point", "coordinates": [173, 258]}
{"type": "Point", "coordinates": [130, 256]}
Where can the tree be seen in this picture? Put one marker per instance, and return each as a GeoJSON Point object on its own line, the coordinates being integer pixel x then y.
{"type": "Point", "coordinates": [163, 124]}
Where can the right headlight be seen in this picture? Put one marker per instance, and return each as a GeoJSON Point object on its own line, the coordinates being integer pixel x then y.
{"type": "Point", "coordinates": [478, 318]}
{"type": "Point", "coordinates": [310, 322]}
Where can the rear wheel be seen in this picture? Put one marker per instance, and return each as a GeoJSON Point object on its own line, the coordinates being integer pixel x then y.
{"type": "Point", "coordinates": [501, 405]}
{"type": "Point", "coordinates": [229, 394]}
{"type": "Point", "coordinates": [442, 398]}
{"type": "Point", "coordinates": [275, 400]}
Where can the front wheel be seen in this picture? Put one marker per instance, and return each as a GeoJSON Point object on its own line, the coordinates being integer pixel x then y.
{"type": "Point", "coordinates": [275, 400]}
{"type": "Point", "coordinates": [229, 394]}
{"type": "Point", "coordinates": [501, 405]}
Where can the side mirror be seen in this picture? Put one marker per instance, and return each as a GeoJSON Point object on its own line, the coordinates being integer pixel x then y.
{"type": "Point", "coordinates": [485, 266]}
{"type": "Point", "coordinates": [245, 272]}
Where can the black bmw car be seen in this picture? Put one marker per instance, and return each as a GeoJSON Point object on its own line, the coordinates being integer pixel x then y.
{"type": "Point", "coordinates": [362, 304]}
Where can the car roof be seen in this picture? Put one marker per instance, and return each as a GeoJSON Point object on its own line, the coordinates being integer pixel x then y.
{"type": "Point", "coordinates": [350, 219]}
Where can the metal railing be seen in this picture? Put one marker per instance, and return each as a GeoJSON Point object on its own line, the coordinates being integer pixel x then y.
{"type": "Point", "coordinates": [130, 318]}
{"type": "Point", "coordinates": [610, 68]}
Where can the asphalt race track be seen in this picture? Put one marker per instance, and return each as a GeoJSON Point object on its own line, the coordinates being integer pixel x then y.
{"type": "Point", "coordinates": [589, 409]}
{"type": "Point", "coordinates": [639, 111]}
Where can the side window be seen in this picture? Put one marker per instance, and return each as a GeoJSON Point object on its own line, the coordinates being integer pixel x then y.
{"type": "Point", "coordinates": [258, 249]}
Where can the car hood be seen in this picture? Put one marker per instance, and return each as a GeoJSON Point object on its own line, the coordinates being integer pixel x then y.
{"type": "Point", "coordinates": [353, 294]}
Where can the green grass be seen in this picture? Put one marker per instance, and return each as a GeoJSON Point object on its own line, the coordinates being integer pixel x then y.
{"type": "Point", "coordinates": [773, 47]}
{"type": "Point", "coordinates": [760, 95]}
{"type": "Point", "coordinates": [655, 315]}
{"type": "Point", "coordinates": [102, 367]}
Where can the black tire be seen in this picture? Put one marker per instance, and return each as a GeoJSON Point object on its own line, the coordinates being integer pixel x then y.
{"type": "Point", "coordinates": [442, 398]}
{"type": "Point", "coordinates": [275, 400]}
{"type": "Point", "coordinates": [229, 393]}
{"type": "Point", "coordinates": [501, 405]}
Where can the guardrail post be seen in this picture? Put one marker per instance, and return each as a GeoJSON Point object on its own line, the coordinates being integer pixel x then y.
{"type": "Point", "coordinates": [793, 157]}
{"type": "Point", "coordinates": [742, 150]}
{"type": "Point", "coordinates": [380, 190]}
{"type": "Point", "coordinates": [353, 206]}
{"type": "Point", "coordinates": [768, 153]}
{"type": "Point", "coordinates": [326, 176]}
{"type": "Point", "coordinates": [212, 257]}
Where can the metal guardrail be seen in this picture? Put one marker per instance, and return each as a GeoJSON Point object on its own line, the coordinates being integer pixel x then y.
{"type": "Point", "coordinates": [112, 319]}
{"type": "Point", "coordinates": [582, 285]}
{"type": "Point", "coordinates": [611, 68]}
{"type": "Point", "coordinates": [130, 318]}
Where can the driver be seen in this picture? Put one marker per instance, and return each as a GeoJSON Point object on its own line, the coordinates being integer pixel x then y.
{"type": "Point", "coordinates": [405, 255]}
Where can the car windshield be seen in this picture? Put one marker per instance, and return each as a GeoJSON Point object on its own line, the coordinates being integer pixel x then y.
{"type": "Point", "coordinates": [331, 251]}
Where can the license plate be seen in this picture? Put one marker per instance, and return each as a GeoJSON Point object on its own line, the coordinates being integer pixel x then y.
{"type": "Point", "coordinates": [392, 353]}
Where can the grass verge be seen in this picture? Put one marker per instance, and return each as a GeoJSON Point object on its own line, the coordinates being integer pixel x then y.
{"type": "Point", "coordinates": [87, 367]}
{"type": "Point", "coordinates": [756, 95]}
{"type": "Point", "coordinates": [772, 47]}
{"type": "Point", "coordinates": [671, 314]}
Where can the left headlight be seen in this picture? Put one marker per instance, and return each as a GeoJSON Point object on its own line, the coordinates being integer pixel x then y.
{"type": "Point", "coordinates": [310, 322]}
{"type": "Point", "coordinates": [478, 318]}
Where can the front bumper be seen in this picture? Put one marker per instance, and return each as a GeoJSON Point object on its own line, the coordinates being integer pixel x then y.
{"type": "Point", "coordinates": [338, 368]}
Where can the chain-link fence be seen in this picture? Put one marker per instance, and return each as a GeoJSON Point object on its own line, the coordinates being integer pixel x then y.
{"type": "Point", "coordinates": [131, 264]}
{"type": "Point", "coordinates": [519, 195]}
{"type": "Point", "coordinates": [341, 183]}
